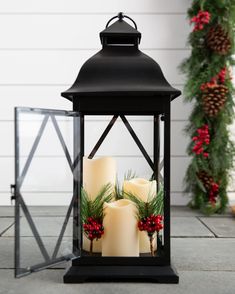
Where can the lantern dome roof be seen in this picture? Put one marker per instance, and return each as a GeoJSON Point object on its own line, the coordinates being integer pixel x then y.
{"type": "Point", "coordinates": [120, 68]}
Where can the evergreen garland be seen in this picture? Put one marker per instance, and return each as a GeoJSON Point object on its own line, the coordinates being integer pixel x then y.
{"type": "Point", "coordinates": [209, 87]}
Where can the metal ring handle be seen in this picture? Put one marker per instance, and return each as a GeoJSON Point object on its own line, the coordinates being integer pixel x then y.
{"type": "Point", "coordinates": [121, 16]}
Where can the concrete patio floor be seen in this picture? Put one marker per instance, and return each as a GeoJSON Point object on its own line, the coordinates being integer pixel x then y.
{"type": "Point", "coordinates": [203, 252]}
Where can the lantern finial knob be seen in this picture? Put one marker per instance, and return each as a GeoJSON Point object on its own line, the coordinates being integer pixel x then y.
{"type": "Point", "coordinates": [120, 16]}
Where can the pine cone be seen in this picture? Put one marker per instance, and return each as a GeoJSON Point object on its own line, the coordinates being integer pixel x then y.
{"type": "Point", "coordinates": [218, 40]}
{"type": "Point", "coordinates": [213, 99]}
{"type": "Point", "coordinates": [205, 179]}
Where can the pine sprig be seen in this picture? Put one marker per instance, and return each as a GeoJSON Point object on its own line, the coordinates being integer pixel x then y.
{"type": "Point", "coordinates": [129, 175]}
{"type": "Point", "coordinates": [149, 215]}
{"type": "Point", "coordinates": [94, 207]}
{"type": "Point", "coordinates": [153, 206]}
{"type": "Point", "coordinates": [119, 193]}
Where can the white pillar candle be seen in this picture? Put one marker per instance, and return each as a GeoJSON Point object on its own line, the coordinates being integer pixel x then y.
{"type": "Point", "coordinates": [145, 190]}
{"type": "Point", "coordinates": [97, 173]}
{"type": "Point", "coordinates": [141, 188]}
{"type": "Point", "coordinates": [121, 235]}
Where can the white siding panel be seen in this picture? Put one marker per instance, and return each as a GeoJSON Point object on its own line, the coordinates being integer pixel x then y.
{"type": "Point", "coordinates": [41, 199]}
{"type": "Point", "coordinates": [53, 174]}
{"type": "Point", "coordinates": [64, 198]}
{"type": "Point", "coordinates": [180, 110]}
{"type": "Point", "coordinates": [50, 146]}
{"type": "Point", "coordinates": [62, 67]}
{"type": "Point", "coordinates": [5, 199]}
{"type": "Point", "coordinates": [43, 46]}
{"type": "Point", "coordinates": [61, 199]}
{"type": "Point", "coordinates": [40, 179]}
{"type": "Point", "coordinates": [6, 173]}
{"type": "Point", "coordinates": [91, 6]}
{"type": "Point", "coordinates": [180, 198]}
{"type": "Point", "coordinates": [32, 96]}
{"type": "Point", "coordinates": [179, 140]}
{"type": "Point", "coordinates": [67, 31]}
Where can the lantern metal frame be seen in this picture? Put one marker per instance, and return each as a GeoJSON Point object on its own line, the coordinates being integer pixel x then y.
{"type": "Point", "coordinates": [144, 268]}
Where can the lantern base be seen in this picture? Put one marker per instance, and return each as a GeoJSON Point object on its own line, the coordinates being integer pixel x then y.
{"type": "Point", "coordinates": [154, 274]}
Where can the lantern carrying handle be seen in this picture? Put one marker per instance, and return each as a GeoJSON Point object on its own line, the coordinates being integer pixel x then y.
{"type": "Point", "coordinates": [121, 16]}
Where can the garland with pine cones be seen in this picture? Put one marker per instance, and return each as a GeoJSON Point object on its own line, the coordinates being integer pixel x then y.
{"type": "Point", "coordinates": [209, 86]}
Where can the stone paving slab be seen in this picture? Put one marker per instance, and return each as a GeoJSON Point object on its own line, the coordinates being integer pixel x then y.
{"type": "Point", "coordinates": [50, 282]}
{"type": "Point", "coordinates": [184, 211]}
{"type": "Point", "coordinates": [36, 210]}
{"type": "Point", "coordinates": [29, 252]}
{"type": "Point", "coordinates": [188, 227]}
{"type": "Point", "coordinates": [48, 210]}
{"type": "Point", "coordinates": [50, 226]}
{"type": "Point", "coordinates": [203, 254]}
{"type": "Point", "coordinates": [5, 223]}
{"type": "Point", "coordinates": [61, 210]}
{"type": "Point", "coordinates": [223, 227]}
{"type": "Point", "coordinates": [187, 253]}
{"type": "Point", "coordinates": [46, 226]}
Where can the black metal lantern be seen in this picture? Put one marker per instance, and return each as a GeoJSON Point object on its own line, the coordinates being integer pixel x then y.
{"type": "Point", "coordinates": [121, 81]}
{"type": "Point", "coordinates": [108, 83]}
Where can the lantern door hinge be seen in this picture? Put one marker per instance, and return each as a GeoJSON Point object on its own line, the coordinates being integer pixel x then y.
{"type": "Point", "coordinates": [162, 117]}
{"type": "Point", "coordinates": [13, 193]}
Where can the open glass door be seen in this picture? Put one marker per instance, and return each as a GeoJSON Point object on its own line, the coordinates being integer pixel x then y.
{"type": "Point", "coordinates": [46, 188]}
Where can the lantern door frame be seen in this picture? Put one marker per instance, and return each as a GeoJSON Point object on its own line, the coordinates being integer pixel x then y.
{"type": "Point", "coordinates": [22, 210]}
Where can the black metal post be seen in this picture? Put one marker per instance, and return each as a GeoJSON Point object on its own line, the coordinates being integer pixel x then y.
{"type": "Point", "coordinates": [17, 204]}
{"type": "Point", "coordinates": [76, 175]}
{"type": "Point", "coordinates": [80, 180]}
{"type": "Point", "coordinates": [167, 171]}
{"type": "Point", "coordinates": [156, 148]}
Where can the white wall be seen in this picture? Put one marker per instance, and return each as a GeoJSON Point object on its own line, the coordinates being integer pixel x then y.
{"type": "Point", "coordinates": [43, 45]}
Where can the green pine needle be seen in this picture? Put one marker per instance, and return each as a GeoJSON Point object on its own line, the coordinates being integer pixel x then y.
{"type": "Point", "coordinates": [129, 175]}
{"type": "Point", "coordinates": [119, 193]}
{"type": "Point", "coordinates": [154, 204]}
{"type": "Point", "coordinates": [94, 208]}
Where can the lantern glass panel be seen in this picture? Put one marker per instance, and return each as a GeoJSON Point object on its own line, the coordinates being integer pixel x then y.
{"type": "Point", "coordinates": [132, 169]}
{"type": "Point", "coordinates": [44, 187]}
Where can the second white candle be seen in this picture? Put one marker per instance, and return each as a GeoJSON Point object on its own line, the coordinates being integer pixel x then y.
{"type": "Point", "coordinates": [145, 190]}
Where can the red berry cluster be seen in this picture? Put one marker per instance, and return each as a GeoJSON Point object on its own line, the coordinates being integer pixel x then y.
{"type": "Point", "coordinates": [151, 224]}
{"type": "Point", "coordinates": [211, 84]}
{"type": "Point", "coordinates": [202, 18]}
{"type": "Point", "coordinates": [93, 229]}
{"type": "Point", "coordinates": [213, 192]}
{"type": "Point", "coordinates": [202, 139]}
{"type": "Point", "coordinates": [220, 77]}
